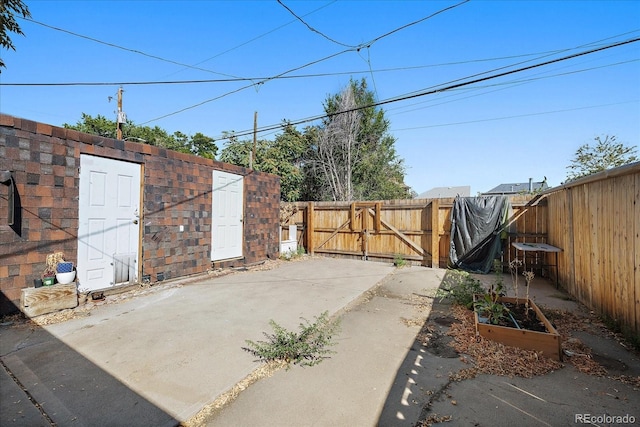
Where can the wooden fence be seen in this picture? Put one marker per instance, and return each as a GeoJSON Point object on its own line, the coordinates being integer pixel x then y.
{"type": "Point", "coordinates": [384, 230]}
{"type": "Point", "coordinates": [596, 220]}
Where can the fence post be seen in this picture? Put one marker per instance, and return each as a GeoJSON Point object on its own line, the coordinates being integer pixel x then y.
{"type": "Point", "coordinates": [435, 233]}
{"type": "Point", "coordinates": [309, 227]}
{"type": "Point", "coordinates": [378, 219]}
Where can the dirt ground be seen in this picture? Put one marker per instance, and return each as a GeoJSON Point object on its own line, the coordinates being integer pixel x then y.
{"type": "Point", "coordinates": [455, 336]}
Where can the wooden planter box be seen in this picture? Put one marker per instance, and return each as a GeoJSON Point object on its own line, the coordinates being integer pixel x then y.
{"type": "Point", "coordinates": [549, 343]}
{"type": "Point", "coordinates": [47, 299]}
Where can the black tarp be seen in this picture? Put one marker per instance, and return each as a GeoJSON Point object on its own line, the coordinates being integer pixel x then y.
{"type": "Point", "coordinates": [476, 226]}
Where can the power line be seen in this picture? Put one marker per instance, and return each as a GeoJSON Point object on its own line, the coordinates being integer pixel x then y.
{"type": "Point", "coordinates": [514, 83]}
{"type": "Point", "coordinates": [243, 79]}
{"type": "Point", "coordinates": [313, 29]}
{"type": "Point", "coordinates": [544, 55]}
{"type": "Point", "coordinates": [414, 23]}
{"type": "Point", "coordinates": [516, 116]}
{"type": "Point", "coordinates": [510, 85]}
{"type": "Point", "coordinates": [430, 91]}
{"type": "Point", "coordinates": [169, 60]}
{"type": "Point", "coordinates": [530, 67]}
{"type": "Point", "coordinates": [371, 42]}
{"type": "Point", "coordinates": [125, 48]}
{"type": "Point", "coordinates": [261, 35]}
{"type": "Point", "coordinates": [243, 88]}
{"type": "Point", "coordinates": [407, 96]}
{"type": "Point", "coordinates": [299, 76]}
{"type": "Point", "coordinates": [306, 65]}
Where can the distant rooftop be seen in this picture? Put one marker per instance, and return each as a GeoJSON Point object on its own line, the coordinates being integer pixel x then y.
{"type": "Point", "coordinates": [516, 188]}
{"type": "Point", "coordinates": [446, 192]}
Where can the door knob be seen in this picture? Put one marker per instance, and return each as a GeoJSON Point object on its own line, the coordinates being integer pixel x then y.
{"type": "Point", "coordinates": [135, 221]}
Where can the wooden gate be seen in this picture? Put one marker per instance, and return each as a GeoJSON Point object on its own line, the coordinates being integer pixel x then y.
{"type": "Point", "coordinates": [373, 230]}
{"type": "Point", "coordinates": [417, 230]}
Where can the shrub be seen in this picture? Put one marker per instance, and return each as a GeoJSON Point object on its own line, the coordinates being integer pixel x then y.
{"type": "Point", "coordinates": [308, 347]}
{"type": "Point", "coordinates": [460, 287]}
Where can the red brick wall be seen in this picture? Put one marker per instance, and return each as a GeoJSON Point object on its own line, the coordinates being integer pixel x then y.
{"type": "Point", "coordinates": [177, 191]}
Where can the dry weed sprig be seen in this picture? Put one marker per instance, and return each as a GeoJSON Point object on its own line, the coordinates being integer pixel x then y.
{"type": "Point", "coordinates": [528, 277]}
{"type": "Point", "coordinates": [52, 262]}
{"type": "Point", "coordinates": [513, 269]}
{"type": "Point", "coordinates": [287, 210]}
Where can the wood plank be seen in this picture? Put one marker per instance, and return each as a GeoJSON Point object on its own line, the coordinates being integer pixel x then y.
{"type": "Point", "coordinates": [614, 229]}
{"type": "Point", "coordinates": [627, 249]}
{"type": "Point", "coordinates": [352, 217]}
{"type": "Point", "coordinates": [371, 254]}
{"type": "Point", "coordinates": [583, 270]}
{"type": "Point", "coordinates": [309, 227]}
{"type": "Point", "coordinates": [435, 235]}
{"type": "Point", "coordinates": [382, 232]}
{"type": "Point", "coordinates": [336, 231]}
{"type": "Point", "coordinates": [403, 237]}
{"type": "Point", "coordinates": [634, 293]}
{"type": "Point", "coordinates": [364, 216]}
{"type": "Point", "coordinates": [570, 246]}
{"type": "Point", "coordinates": [593, 202]}
{"type": "Point", "coordinates": [47, 299]}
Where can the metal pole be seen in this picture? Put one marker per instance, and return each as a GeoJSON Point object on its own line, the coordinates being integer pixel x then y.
{"type": "Point", "coordinates": [252, 156]}
{"type": "Point", "coordinates": [119, 124]}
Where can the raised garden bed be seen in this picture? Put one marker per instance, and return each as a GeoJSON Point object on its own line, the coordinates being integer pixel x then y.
{"type": "Point", "coordinates": [546, 339]}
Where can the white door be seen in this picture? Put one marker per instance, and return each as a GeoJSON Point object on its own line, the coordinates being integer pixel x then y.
{"type": "Point", "coordinates": [227, 213]}
{"type": "Point", "coordinates": [108, 228]}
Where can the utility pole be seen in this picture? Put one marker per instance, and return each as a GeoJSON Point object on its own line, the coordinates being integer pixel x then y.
{"type": "Point", "coordinates": [122, 117]}
{"type": "Point", "coordinates": [252, 156]}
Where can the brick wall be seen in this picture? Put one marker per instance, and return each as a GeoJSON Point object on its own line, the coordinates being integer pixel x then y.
{"type": "Point", "coordinates": [177, 191]}
{"type": "Point", "coordinates": [262, 199]}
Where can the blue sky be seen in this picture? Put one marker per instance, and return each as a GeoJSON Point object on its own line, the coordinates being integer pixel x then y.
{"type": "Point", "coordinates": [509, 129]}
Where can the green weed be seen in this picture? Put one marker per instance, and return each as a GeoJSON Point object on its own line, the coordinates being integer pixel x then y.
{"type": "Point", "coordinates": [307, 347]}
{"type": "Point", "coordinates": [399, 261]}
{"type": "Point", "coordinates": [460, 287]}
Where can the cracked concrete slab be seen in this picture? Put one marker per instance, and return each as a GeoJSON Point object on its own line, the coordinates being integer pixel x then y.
{"type": "Point", "coordinates": [359, 385]}
{"type": "Point", "coordinates": [160, 358]}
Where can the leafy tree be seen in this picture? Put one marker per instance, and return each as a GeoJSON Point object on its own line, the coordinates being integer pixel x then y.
{"type": "Point", "coordinates": [237, 152]}
{"type": "Point", "coordinates": [377, 173]}
{"type": "Point", "coordinates": [198, 144]}
{"type": "Point", "coordinates": [203, 146]}
{"type": "Point", "coordinates": [179, 142]}
{"type": "Point", "coordinates": [282, 157]}
{"type": "Point", "coordinates": [8, 24]}
{"type": "Point", "coordinates": [286, 160]}
{"type": "Point", "coordinates": [98, 125]}
{"type": "Point", "coordinates": [350, 156]}
{"type": "Point", "coordinates": [605, 154]}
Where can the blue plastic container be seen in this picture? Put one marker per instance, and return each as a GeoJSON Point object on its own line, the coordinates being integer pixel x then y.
{"type": "Point", "coordinates": [65, 267]}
